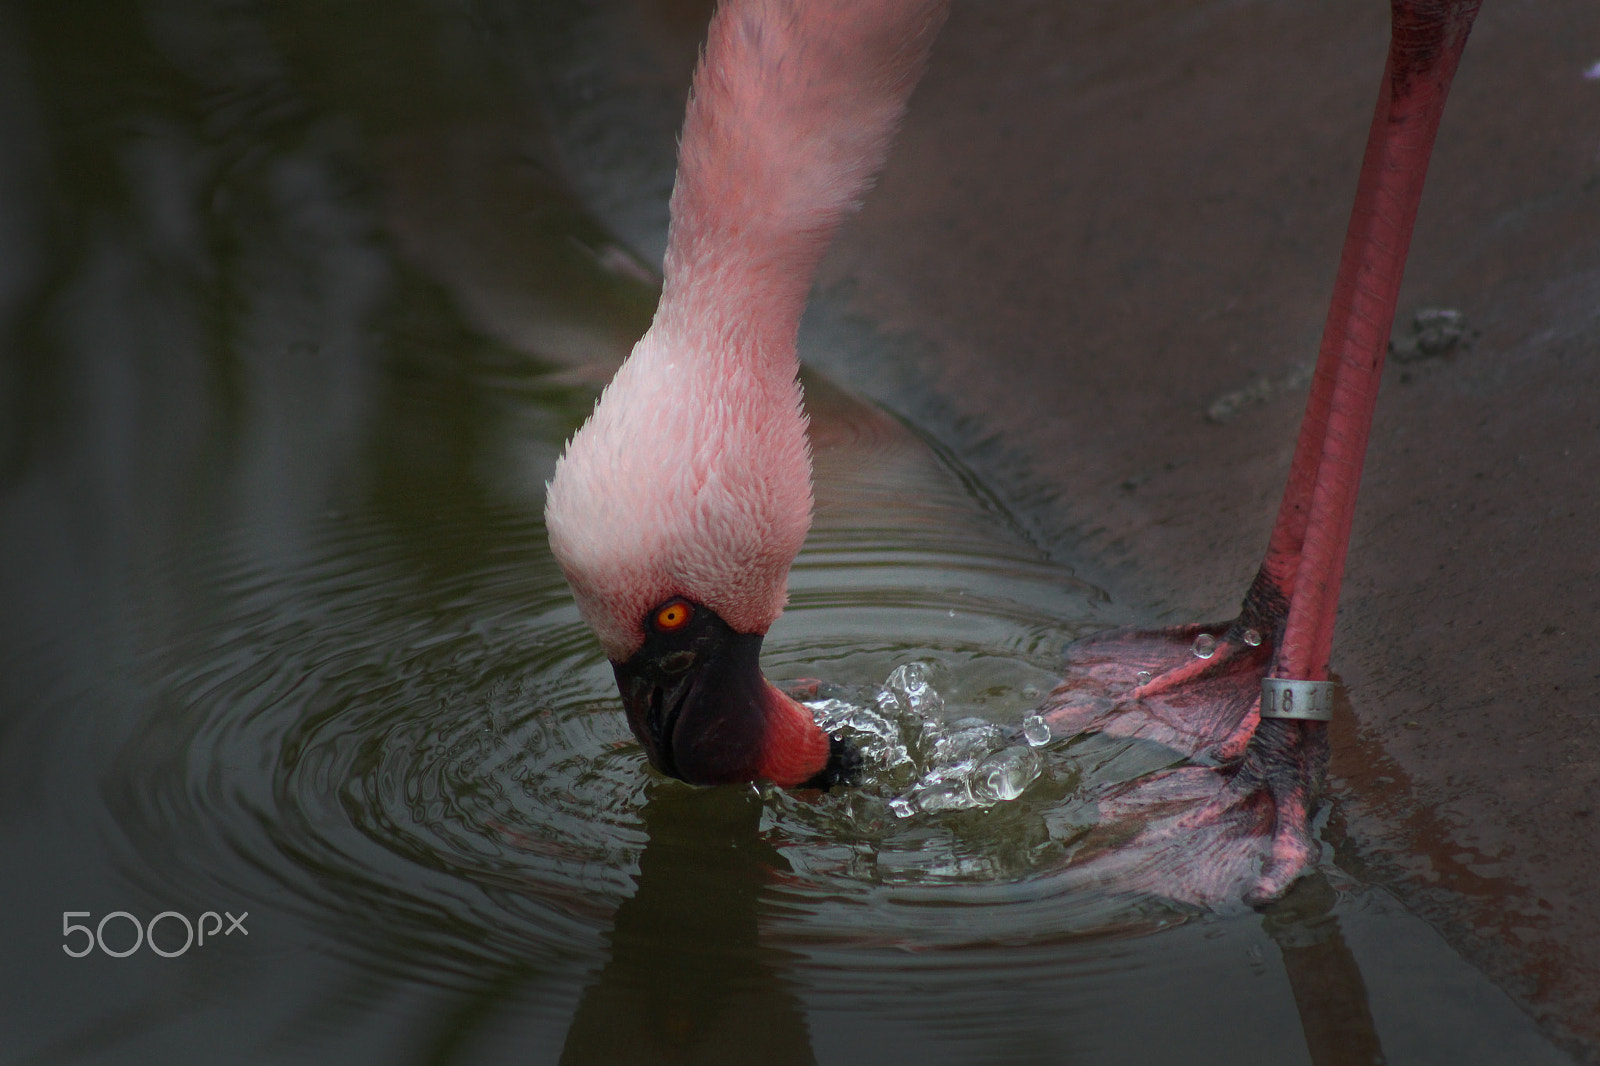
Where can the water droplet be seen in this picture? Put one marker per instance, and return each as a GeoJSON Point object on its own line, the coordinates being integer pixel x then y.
{"type": "Point", "coordinates": [968, 742]}
{"type": "Point", "coordinates": [1143, 677]}
{"type": "Point", "coordinates": [902, 807]}
{"type": "Point", "coordinates": [908, 677]}
{"type": "Point", "coordinates": [1252, 638]}
{"type": "Point", "coordinates": [1205, 646]}
{"type": "Point", "coordinates": [912, 684]}
{"type": "Point", "coordinates": [1004, 775]}
{"type": "Point", "coordinates": [947, 795]}
{"type": "Point", "coordinates": [1035, 730]}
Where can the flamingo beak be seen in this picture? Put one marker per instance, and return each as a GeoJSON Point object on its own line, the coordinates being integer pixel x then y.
{"type": "Point", "coordinates": [696, 699]}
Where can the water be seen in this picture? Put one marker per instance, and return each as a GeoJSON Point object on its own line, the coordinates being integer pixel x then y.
{"type": "Point", "coordinates": [907, 747]}
{"type": "Point", "coordinates": [282, 639]}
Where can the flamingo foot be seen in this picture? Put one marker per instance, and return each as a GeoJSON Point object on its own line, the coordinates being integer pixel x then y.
{"type": "Point", "coordinates": [1239, 815]}
{"type": "Point", "coordinates": [1193, 688]}
{"type": "Point", "coordinates": [1236, 823]}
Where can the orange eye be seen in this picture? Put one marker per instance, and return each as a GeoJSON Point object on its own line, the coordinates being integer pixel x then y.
{"type": "Point", "coordinates": [675, 615]}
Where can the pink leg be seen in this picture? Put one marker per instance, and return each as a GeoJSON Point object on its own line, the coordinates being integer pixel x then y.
{"type": "Point", "coordinates": [1426, 45]}
{"type": "Point", "coordinates": [1150, 683]}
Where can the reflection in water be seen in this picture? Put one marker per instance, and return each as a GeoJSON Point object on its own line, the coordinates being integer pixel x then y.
{"type": "Point", "coordinates": [690, 978]}
{"type": "Point", "coordinates": [280, 633]}
{"type": "Point", "coordinates": [1328, 990]}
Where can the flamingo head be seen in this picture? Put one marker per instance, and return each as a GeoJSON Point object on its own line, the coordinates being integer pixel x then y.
{"type": "Point", "coordinates": [675, 514]}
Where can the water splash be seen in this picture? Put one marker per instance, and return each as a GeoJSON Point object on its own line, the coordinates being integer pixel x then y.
{"type": "Point", "coordinates": [931, 764]}
{"type": "Point", "coordinates": [1004, 775]}
{"type": "Point", "coordinates": [912, 686]}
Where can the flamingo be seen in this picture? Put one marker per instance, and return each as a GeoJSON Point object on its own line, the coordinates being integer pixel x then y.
{"type": "Point", "coordinates": [677, 509]}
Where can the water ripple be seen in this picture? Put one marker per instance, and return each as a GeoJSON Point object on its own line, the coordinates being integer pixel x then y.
{"type": "Point", "coordinates": [418, 750]}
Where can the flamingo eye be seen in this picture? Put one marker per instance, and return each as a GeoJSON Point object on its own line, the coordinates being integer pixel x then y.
{"type": "Point", "coordinates": [674, 615]}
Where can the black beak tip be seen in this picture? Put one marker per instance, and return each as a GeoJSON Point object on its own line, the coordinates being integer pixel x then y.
{"type": "Point", "coordinates": [842, 769]}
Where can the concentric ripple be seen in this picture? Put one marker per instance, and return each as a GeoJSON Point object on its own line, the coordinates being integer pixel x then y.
{"type": "Point", "coordinates": [412, 735]}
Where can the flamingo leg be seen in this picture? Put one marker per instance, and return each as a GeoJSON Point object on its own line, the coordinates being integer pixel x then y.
{"type": "Point", "coordinates": [1306, 554]}
{"type": "Point", "coordinates": [1197, 688]}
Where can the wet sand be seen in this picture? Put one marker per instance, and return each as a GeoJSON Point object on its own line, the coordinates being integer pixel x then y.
{"type": "Point", "coordinates": [1104, 219]}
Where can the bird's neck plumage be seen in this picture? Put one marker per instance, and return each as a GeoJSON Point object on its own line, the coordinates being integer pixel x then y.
{"type": "Point", "coordinates": [793, 108]}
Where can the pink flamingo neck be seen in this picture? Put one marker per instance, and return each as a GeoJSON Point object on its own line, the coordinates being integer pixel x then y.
{"type": "Point", "coordinates": [792, 112]}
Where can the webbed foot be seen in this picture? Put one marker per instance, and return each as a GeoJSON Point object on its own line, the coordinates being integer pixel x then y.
{"type": "Point", "coordinates": [1236, 822]}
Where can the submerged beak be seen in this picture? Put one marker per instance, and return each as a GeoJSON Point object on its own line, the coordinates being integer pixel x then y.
{"type": "Point", "coordinates": [697, 701]}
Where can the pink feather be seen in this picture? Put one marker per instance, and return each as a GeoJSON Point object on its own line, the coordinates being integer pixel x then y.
{"type": "Point", "coordinates": [693, 476]}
